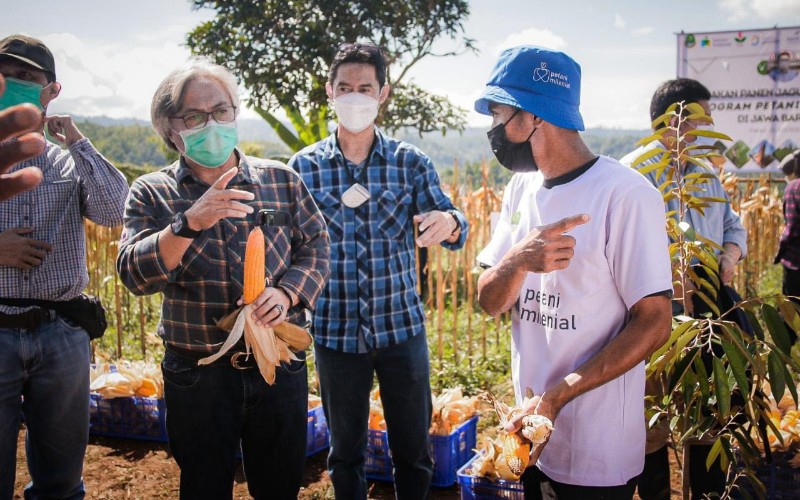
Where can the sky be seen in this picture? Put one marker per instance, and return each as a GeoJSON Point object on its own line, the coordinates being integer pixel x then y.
{"type": "Point", "coordinates": [111, 54]}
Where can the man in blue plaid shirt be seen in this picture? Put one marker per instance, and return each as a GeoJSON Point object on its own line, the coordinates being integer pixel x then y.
{"type": "Point", "coordinates": [372, 190]}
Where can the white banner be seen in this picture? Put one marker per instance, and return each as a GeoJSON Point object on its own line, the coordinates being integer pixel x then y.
{"type": "Point", "coordinates": [755, 91]}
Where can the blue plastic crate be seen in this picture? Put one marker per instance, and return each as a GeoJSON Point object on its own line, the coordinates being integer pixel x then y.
{"type": "Point", "coordinates": [781, 480]}
{"type": "Point", "coordinates": [130, 418]}
{"type": "Point", "coordinates": [481, 488]}
{"type": "Point", "coordinates": [448, 452]}
{"type": "Point", "coordinates": [317, 435]}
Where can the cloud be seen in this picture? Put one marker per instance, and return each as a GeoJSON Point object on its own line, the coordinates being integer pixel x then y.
{"type": "Point", "coordinates": [642, 31]}
{"type": "Point", "coordinates": [533, 36]}
{"type": "Point", "coordinates": [766, 9]}
{"type": "Point", "coordinates": [111, 78]}
{"type": "Point", "coordinates": [619, 22]}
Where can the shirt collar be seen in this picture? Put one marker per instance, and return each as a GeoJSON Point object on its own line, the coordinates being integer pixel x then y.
{"type": "Point", "coordinates": [332, 151]}
{"type": "Point", "coordinates": [183, 171]}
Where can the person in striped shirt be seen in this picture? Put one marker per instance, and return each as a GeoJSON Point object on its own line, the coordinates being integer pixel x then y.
{"type": "Point", "coordinates": [44, 354]}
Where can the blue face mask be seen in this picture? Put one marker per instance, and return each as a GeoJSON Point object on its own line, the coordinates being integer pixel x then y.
{"type": "Point", "coordinates": [212, 145]}
{"type": "Point", "coordinates": [21, 92]}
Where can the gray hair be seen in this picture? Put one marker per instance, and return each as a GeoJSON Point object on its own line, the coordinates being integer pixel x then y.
{"type": "Point", "coordinates": [168, 99]}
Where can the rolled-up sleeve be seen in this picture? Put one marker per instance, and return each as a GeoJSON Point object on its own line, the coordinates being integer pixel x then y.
{"type": "Point", "coordinates": [431, 197]}
{"type": "Point", "coordinates": [734, 231]}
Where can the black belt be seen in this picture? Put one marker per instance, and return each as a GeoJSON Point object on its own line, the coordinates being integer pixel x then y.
{"type": "Point", "coordinates": [29, 319]}
{"type": "Point", "coordinates": [239, 359]}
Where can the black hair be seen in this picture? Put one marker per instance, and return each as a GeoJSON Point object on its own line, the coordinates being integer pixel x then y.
{"type": "Point", "coordinates": [791, 164]}
{"type": "Point", "coordinates": [363, 53]}
{"type": "Point", "coordinates": [672, 91]}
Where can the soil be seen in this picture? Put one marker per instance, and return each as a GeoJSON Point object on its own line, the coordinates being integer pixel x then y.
{"type": "Point", "coordinates": [116, 468]}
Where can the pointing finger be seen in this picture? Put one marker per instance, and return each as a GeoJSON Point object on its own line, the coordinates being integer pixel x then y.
{"type": "Point", "coordinates": [238, 194]}
{"type": "Point", "coordinates": [225, 178]}
{"type": "Point", "coordinates": [565, 225]}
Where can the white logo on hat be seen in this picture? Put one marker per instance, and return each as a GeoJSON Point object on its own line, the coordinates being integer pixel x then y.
{"type": "Point", "coordinates": [541, 73]}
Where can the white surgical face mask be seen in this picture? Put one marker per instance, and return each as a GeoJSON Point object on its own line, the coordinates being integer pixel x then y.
{"type": "Point", "coordinates": [700, 140]}
{"type": "Point", "coordinates": [355, 111]}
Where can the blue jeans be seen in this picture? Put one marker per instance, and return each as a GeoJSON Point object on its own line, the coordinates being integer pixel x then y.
{"type": "Point", "coordinates": [403, 372]}
{"type": "Point", "coordinates": [211, 408]}
{"type": "Point", "coordinates": [49, 366]}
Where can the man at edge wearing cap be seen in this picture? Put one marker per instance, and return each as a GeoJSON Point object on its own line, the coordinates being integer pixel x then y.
{"type": "Point", "coordinates": [44, 355]}
{"type": "Point", "coordinates": [580, 258]}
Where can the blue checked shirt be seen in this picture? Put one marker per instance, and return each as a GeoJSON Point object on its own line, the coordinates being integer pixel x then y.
{"type": "Point", "coordinates": [372, 290]}
{"type": "Point", "coordinates": [718, 222]}
{"type": "Point", "coordinates": [77, 183]}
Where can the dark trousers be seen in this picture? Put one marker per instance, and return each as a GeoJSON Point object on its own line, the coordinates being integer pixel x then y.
{"type": "Point", "coordinates": [211, 408]}
{"type": "Point", "coordinates": [654, 483]}
{"type": "Point", "coordinates": [538, 486]}
{"type": "Point", "coordinates": [403, 373]}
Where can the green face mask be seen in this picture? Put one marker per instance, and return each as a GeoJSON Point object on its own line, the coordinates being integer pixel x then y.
{"type": "Point", "coordinates": [20, 92]}
{"type": "Point", "coordinates": [211, 145]}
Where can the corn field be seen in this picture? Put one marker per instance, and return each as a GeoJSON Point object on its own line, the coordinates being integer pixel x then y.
{"type": "Point", "coordinates": [458, 332]}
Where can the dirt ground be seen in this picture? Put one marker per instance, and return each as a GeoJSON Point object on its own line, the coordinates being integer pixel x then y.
{"type": "Point", "coordinates": [116, 468]}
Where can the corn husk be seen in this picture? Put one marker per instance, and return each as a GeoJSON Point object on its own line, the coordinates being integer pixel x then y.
{"type": "Point", "coordinates": [269, 346]}
{"type": "Point", "coordinates": [126, 379]}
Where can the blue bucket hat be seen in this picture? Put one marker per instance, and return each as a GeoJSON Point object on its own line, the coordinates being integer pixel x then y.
{"type": "Point", "coordinates": [541, 81]}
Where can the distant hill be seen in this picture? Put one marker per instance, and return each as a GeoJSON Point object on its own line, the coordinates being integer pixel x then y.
{"type": "Point", "coordinates": [133, 141]}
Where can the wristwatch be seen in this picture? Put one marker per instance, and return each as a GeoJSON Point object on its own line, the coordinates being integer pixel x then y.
{"type": "Point", "coordinates": [180, 227]}
{"type": "Point", "coordinates": [455, 218]}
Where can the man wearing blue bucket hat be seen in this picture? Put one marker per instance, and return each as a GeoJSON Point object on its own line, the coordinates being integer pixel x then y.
{"type": "Point", "coordinates": [580, 258]}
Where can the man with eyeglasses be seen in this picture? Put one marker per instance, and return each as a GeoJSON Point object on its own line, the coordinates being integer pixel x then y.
{"type": "Point", "coordinates": [369, 321]}
{"type": "Point", "coordinates": [44, 353]}
{"type": "Point", "coordinates": [186, 229]}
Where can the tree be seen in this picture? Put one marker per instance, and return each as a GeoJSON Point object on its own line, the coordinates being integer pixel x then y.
{"type": "Point", "coordinates": [281, 49]}
{"type": "Point", "coordinates": [715, 377]}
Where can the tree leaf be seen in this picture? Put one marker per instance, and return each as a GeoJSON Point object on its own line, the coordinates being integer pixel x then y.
{"type": "Point", "coordinates": [647, 155]}
{"type": "Point", "coordinates": [737, 364]}
{"type": "Point", "coordinates": [721, 388]}
{"type": "Point", "coordinates": [716, 448]}
{"type": "Point", "coordinates": [775, 368]}
{"type": "Point", "coordinates": [702, 377]}
{"type": "Point", "coordinates": [777, 329]}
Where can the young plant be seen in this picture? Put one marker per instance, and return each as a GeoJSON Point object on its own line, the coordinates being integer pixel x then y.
{"type": "Point", "coordinates": [714, 376]}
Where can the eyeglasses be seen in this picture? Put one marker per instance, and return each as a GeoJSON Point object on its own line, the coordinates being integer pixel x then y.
{"type": "Point", "coordinates": [198, 119]}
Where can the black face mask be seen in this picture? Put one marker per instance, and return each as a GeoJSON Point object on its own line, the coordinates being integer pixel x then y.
{"type": "Point", "coordinates": [515, 156]}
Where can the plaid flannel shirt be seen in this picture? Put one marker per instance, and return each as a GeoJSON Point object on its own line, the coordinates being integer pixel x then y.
{"type": "Point", "coordinates": [207, 283]}
{"type": "Point", "coordinates": [77, 183]}
{"type": "Point", "coordinates": [372, 291]}
{"type": "Point", "coordinates": [789, 252]}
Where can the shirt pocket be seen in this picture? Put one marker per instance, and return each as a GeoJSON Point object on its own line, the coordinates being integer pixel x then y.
{"type": "Point", "coordinates": [278, 250]}
{"type": "Point", "coordinates": [331, 208]}
{"type": "Point", "coordinates": [393, 213]}
{"type": "Point", "coordinates": [59, 194]}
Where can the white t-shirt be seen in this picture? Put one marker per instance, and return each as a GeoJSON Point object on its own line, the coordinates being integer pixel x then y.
{"type": "Point", "coordinates": [563, 318]}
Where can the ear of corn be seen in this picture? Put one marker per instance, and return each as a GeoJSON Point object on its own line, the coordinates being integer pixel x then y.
{"type": "Point", "coordinates": [516, 453]}
{"type": "Point", "coordinates": [254, 265]}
